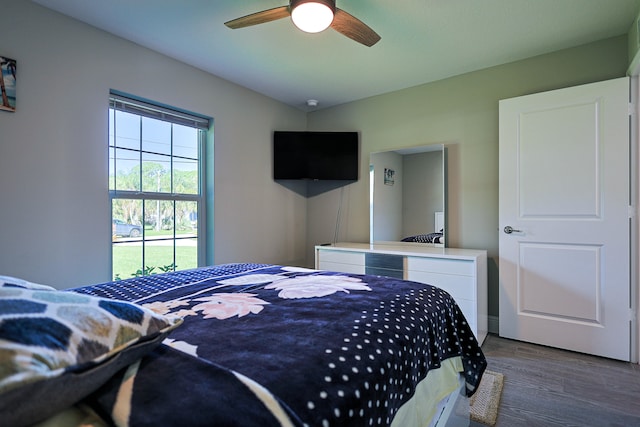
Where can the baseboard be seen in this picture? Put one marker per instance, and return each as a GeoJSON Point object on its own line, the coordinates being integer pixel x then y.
{"type": "Point", "coordinates": [493, 324]}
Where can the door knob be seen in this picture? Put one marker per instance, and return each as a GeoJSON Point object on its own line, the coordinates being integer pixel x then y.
{"type": "Point", "coordinates": [509, 229]}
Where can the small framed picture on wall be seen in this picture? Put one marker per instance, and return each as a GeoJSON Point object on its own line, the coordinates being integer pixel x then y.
{"type": "Point", "coordinates": [389, 176]}
{"type": "Point", "coordinates": [8, 83]}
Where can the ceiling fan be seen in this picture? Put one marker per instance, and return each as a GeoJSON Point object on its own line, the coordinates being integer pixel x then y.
{"type": "Point", "coordinates": [313, 16]}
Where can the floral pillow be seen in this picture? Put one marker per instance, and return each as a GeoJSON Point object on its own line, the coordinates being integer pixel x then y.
{"type": "Point", "coordinates": [57, 347]}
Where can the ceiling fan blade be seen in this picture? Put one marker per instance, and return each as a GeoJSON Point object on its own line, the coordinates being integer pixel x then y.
{"type": "Point", "coordinates": [355, 29]}
{"type": "Point", "coordinates": [259, 17]}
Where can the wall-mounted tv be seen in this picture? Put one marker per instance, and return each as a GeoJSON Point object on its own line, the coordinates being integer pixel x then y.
{"type": "Point", "coordinates": [315, 155]}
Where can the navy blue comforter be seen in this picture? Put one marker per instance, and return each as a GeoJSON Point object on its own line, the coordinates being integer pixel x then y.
{"type": "Point", "coordinates": [266, 345]}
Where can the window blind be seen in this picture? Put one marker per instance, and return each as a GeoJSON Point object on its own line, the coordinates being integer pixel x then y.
{"type": "Point", "coordinates": [121, 102]}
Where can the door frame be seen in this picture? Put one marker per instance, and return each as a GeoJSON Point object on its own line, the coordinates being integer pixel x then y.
{"type": "Point", "coordinates": [634, 127]}
{"type": "Point", "coordinates": [634, 154]}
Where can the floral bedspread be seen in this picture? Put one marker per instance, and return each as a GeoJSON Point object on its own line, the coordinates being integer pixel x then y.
{"type": "Point", "coordinates": [266, 345]}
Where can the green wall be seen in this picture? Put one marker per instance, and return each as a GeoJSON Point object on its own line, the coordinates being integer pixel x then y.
{"type": "Point", "coordinates": [461, 112]}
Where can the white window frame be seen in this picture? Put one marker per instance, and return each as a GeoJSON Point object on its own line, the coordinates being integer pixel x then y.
{"type": "Point", "coordinates": [145, 108]}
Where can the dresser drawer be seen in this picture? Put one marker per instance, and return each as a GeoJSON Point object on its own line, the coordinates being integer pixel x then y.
{"type": "Point", "coordinates": [384, 265]}
{"type": "Point", "coordinates": [459, 287]}
{"type": "Point", "coordinates": [447, 266]}
{"type": "Point", "coordinates": [340, 267]}
{"type": "Point", "coordinates": [393, 262]}
{"type": "Point", "coordinates": [342, 257]}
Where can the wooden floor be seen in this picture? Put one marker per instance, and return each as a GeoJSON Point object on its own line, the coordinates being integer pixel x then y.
{"type": "Point", "coordinates": [550, 387]}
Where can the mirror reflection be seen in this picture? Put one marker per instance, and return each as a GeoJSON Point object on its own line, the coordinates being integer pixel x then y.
{"type": "Point", "coordinates": [407, 195]}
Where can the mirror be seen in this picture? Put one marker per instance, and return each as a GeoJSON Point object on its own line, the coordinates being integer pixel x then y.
{"type": "Point", "coordinates": [407, 195]}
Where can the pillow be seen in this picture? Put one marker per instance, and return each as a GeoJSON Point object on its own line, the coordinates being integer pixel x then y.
{"type": "Point", "coordinates": [57, 347]}
{"type": "Point", "coordinates": [21, 283]}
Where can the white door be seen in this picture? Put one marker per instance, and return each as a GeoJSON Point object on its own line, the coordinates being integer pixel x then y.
{"type": "Point", "coordinates": [564, 190]}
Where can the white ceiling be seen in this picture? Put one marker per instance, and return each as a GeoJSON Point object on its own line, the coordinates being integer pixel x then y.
{"type": "Point", "coordinates": [422, 40]}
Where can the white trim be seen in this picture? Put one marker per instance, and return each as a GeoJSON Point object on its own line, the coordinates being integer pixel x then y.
{"type": "Point", "coordinates": [634, 127]}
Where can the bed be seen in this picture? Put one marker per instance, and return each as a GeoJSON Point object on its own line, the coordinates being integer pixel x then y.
{"type": "Point", "coordinates": [436, 237]}
{"type": "Point", "coordinates": [236, 345]}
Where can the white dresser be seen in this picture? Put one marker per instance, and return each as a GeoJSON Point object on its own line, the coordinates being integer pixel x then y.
{"type": "Point", "coordinates": [460, 272]}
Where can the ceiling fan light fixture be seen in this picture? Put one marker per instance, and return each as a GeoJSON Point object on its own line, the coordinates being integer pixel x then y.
{"type": "Point", "coordinates": [312, 16]}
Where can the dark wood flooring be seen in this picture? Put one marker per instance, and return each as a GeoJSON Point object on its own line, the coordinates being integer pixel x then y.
{"type": "Point", "coordinates": [551, 387]}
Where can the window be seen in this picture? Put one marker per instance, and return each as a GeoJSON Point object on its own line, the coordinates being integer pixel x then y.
{"type": "Point", "coordinates": [155, 186]}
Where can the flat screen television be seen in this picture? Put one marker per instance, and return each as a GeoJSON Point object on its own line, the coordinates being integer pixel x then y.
{"type": "Point", "coordinates": [315, 155]}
